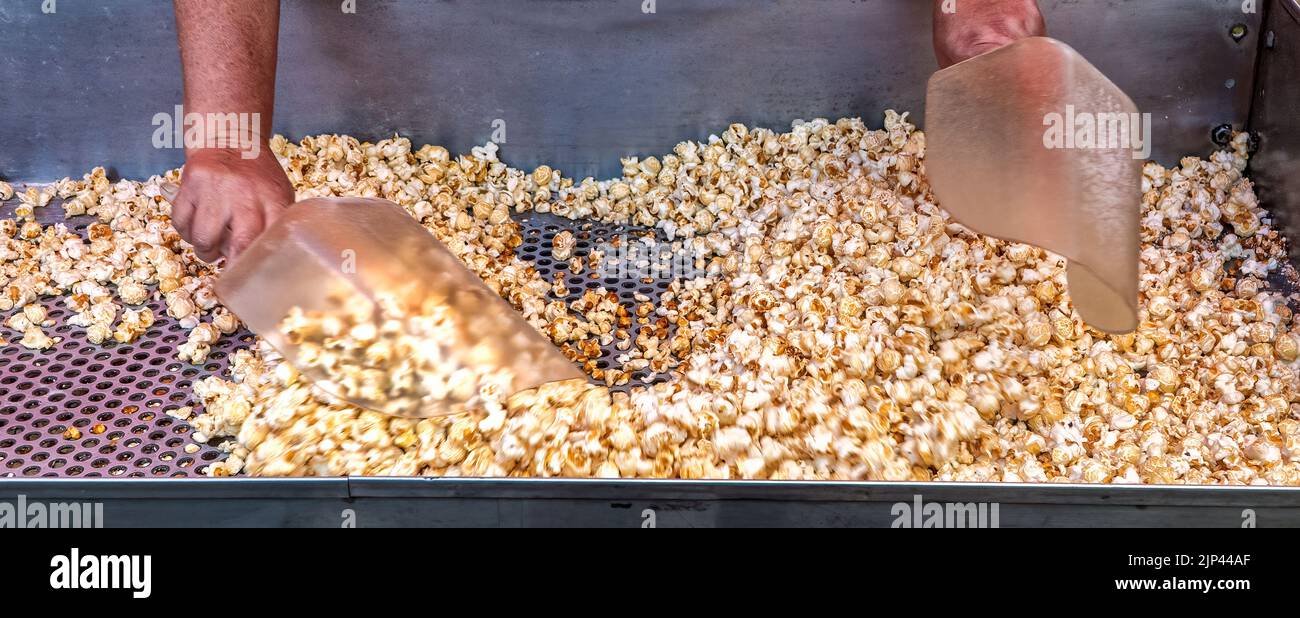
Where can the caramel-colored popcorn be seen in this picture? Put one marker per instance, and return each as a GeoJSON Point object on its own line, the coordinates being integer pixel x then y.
{"type": "Point", "coordinates": [838, 325]}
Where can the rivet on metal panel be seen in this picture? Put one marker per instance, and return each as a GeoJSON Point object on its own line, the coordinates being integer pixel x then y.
{"type": "Point", "coordinates": [1221, 135]}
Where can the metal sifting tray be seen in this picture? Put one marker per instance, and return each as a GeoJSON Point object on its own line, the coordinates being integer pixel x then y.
{"type": "Point", "coordinates": [129, 388]}
{"type": "Point", "coordinates": [122, 390]}
{"type": "Point", "coordinates": [620, 272]}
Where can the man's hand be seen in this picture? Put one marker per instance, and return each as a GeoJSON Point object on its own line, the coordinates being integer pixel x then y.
{"type": "Point", "coordinates": [964, 29]}
{"type": "Point", "coordinates": [226, 200]}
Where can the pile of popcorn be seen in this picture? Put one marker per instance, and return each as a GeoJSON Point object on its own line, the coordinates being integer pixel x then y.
{"type": "Point", "coordinates": [842, 325]}
{"type": "Point", "coordinates": [392, 358]}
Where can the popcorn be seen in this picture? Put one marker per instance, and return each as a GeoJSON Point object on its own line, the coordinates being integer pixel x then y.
{"type": "Point", "coordinates": [35, 339]}
{"type": "Point", "coordinates": [18, 321]}
{"type": "Point", "coordinates": [132, 292]}
{"type": "Point", "coordinates": [35, 197]}
{"type": "Point", "coordinates": [198, 344]}
{"type": "Point", "coordinates": [134, 323]}
{"type": "Point", "coordinates": [98, 333]}
{"type": "Point", "coordinates": [839, 324]}
{"type": "Point", "coordinates": [179, 304]}
{"type": "Point", "coordinates": [392, 359]}
{"type": "Point", "coordinates": [562, 245]}
{"type": "Point", "coordinates": [224, 320]}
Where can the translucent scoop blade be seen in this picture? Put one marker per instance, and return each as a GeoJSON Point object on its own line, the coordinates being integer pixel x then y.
{"type": "Point", "coordinates": [369, 306]}
{"type": "Point", "coordinates": [1009, 153]}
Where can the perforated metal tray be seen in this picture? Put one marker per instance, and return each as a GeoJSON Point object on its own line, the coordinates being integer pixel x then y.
{"type": "Point", "coordinates": [619, 273]}
{"type": "Point", "coordinates": [83, 410]}
{"type": "Point", "coordinates": [116, 396]}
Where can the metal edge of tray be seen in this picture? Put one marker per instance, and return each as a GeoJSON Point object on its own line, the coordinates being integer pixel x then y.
{"type": "Point", "coordinates": [423, 502]}
{"type": "Point", "coordinates": [177, 489]}
{"type": "Point", "coordinates": [666, 489]}
{"type": "Point", "coordinates": [821, 491]}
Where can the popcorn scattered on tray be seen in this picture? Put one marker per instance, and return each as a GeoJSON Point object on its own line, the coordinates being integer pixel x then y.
{"type": "Point", "coordinates": [843, 326]}
{"type": "Point", "coordinates": [392, 358]}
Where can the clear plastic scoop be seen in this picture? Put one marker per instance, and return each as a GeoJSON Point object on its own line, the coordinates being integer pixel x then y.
{"type": "Point", "coordinates": [1009, 154]}
{"type": "Point", "coordinates": [364, 267]}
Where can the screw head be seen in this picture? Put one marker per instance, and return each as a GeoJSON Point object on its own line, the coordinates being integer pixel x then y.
{"type": "Point", "coordinates": [1222, 135]}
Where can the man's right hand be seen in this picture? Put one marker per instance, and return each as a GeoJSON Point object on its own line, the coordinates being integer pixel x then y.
{"type": "Point", "coordinates": [226, 200]}
{"type": "Point", "coordinates": [228, 52]}
{"type": "Point", "coordinates": [964, 29]}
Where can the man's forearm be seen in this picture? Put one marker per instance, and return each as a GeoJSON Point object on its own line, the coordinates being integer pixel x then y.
{"type": "Point", "coordinates": [228, 51]}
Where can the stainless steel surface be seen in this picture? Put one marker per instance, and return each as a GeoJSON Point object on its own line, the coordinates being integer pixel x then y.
{"type": "Point", "coordinates": [381, 502]}
{"type": "Point", "coordinates": [576, 83]}
{"type": "Point", "coordinates": [1276, 119]}
{"type": "Point", "coordinates": [1292, 7]}
{"type": "Point", "coordinates": [114, 398]}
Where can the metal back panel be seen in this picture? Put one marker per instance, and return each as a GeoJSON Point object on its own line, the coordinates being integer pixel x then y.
{"type": "Point", "coordinates": [574, 83]}
{"type": "Point", "coordinates": [1276, 118]}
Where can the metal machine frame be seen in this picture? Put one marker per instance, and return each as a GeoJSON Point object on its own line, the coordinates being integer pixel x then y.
{"type": "Point", "coordinates": [581, 83]}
